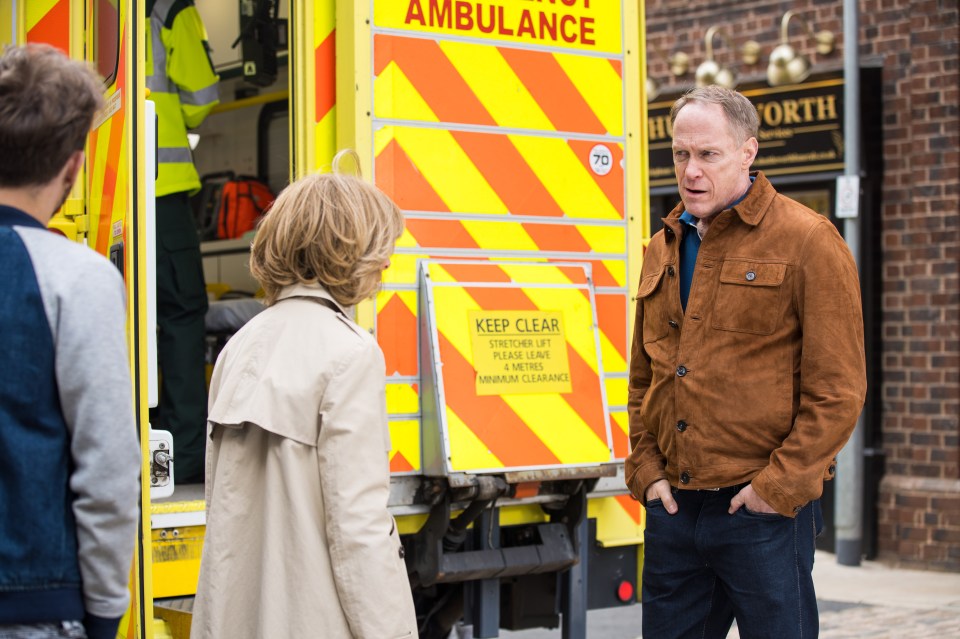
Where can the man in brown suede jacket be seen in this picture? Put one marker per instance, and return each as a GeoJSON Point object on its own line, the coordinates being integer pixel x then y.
{"type": "Point", "coordinates": [747, 376]}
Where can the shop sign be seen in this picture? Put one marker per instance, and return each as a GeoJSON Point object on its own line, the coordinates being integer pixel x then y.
{"type": "Point", "coordinates": [801, 130]}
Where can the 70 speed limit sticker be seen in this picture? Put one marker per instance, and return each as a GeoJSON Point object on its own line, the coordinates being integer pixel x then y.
{"type": "Point", "coordinates": [601, 159]}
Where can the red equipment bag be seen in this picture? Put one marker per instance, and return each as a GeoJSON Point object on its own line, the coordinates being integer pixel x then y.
{"type": "Point", "coordinates": [242, 204]}
{"type": "Point", "coordinates": [229, 205]}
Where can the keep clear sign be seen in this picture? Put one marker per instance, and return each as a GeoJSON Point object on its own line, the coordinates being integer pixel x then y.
{"type": "Point", "coordinates": [519, 352]}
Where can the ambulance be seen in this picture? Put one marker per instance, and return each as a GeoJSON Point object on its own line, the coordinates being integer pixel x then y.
{"type": "Point", "coordinates": [510, 133]}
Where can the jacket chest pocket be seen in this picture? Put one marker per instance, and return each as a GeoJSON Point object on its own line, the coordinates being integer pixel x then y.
{"type": "Point", "coordinates": [653, 295]}
{"type": "Point", "coordinates": [748, 298]}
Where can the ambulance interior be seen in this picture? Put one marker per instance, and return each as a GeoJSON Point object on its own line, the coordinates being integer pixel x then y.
{"type": "Point", "coordinates": [247, 133]}
{"type": "Point", "coordinates": [247, 136]}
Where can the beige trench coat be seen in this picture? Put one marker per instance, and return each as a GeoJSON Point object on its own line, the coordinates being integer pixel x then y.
{"type": "Point", "coordinates": [299, 542]}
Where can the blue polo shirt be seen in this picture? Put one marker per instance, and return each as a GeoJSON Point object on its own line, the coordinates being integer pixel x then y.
{"type": "Point", "coordinates": [690, 247]}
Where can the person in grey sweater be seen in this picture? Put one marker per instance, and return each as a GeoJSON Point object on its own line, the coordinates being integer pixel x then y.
{"type": "Point", "coordinates": [69, 452]}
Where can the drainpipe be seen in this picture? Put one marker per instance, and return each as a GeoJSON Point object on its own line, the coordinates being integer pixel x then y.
{"type": "Point", "coordinates": [848, 511]}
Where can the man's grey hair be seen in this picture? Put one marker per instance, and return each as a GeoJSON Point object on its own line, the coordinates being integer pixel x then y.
{"type": "Point", "coordinates": [741, 114]}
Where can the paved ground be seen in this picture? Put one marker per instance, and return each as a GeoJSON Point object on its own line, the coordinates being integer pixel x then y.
{"type": "Point", "coordinates": [868, 601]}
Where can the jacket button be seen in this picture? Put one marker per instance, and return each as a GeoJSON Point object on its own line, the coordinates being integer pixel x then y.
{"type": "Point", "coordinates": [681, 425]}
{"type": "Point", "coordinates": [751, 276]}
{"type": "Point", "coordinates": [684, 477]}
{"type": "Point", "coordinates": [403, 553]}
{"type": "Point", "coordinates": [670, 271]}
{"type": "Point", "coordinates": [681, 371]}
{"type": "Point", "coordinates": [673, 324]}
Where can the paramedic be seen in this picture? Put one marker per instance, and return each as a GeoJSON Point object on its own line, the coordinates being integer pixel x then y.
{"type": "Point", "coordinates": [747, 376]}
{"type": "Point", "coordinates": [299, 541]}
{"type": "Point", "coordinates": [69, 455]}
{"type": "Point", "coordinates": [183, 85]}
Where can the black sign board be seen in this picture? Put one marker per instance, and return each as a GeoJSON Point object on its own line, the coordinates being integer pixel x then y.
{"type": "Point", "coordinates": [801, 130]}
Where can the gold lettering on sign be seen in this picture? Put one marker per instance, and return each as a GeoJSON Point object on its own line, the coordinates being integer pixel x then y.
{"type": "Point", "coordinates": [821, 108]}
{"type": "Point", "coordinates": [660, 128]}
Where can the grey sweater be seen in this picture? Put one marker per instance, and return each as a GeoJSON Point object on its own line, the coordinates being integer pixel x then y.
{"type": "Point", "coordinates": [81, 406]}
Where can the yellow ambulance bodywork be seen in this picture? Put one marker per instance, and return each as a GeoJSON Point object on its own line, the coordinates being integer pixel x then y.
{"type": "Point", "coordinates": [359, 77]}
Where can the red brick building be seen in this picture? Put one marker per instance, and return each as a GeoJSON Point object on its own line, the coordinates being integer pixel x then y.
{"type": "Point", "coordinates": [910, 263]}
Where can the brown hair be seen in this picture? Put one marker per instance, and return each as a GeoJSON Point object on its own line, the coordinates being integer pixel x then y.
{"type": "Point", "coordinates": [741, 114]}
{"type": "Point", "coordinates": [330, 228]}
{"type": "Point", "coordinates": [47, 104]}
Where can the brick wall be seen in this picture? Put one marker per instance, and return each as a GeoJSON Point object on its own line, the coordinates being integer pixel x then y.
{"type": "Point", "coordinates": [917, 44]}
{"type": "Point", "coordinates": [919, 508]}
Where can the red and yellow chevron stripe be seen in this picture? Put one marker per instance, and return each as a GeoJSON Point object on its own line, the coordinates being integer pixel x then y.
{"type": "Point", "coordinates": [108, 172]}
{"type": "Point", "coordinates": [325, 76]}
{"type": "Point", "coordinates": [491, 150]}
{"type": "Point", "coordinates": [49, 21]}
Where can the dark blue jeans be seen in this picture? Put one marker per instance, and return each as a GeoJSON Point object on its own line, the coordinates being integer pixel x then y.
{"type": "Point", "coordinates": [703, 567]}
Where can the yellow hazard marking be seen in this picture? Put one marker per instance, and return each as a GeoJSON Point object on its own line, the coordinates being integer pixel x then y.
{"type": "Point", "coordinates": [613, 362]}
{"type": "Point", "coordinates": [402, 399]}
{"type": "Point", "coordinates": [409, 299]}
{"type": "Point", "coordinates": [176, 560]}
{"type": "Point", "coordinates": [382, 298]}
{"type": "Point", "coordinates": [565, 177]}
{"type": "Point", "coordinates": [406, 241]}
{"type": "Point", "coordinates": [618, 269]}
{"type": "Point", "coordinates": [439, 274]}
{"type": "Point", "coordinates": [452, 322]}
{"type": "Point", "coordinates": [97, 173]}
{"type": "Point", "coordinates": [615, 526]}
{"type": "Point", "coordinates": [496, 86]}
{"type": "Point", "coordinates": [579, 316]}
{"type": "Point", "coordinates": [382, 136]}
{"type": "Point", "coordinates": [522, 514]}
{"type": "Point", "coordinates": [560, 428]}
{"type": "Point", "coordinates": [622, 420]}
{"type": "Point", "coordinates": [448, 170]}
{"type": "Point", "coordinates": [187, 544]}
{"type": "Point", "coordinates": [405, 439]}
{"type": "Point", "coordinates": [502, 236]}
{"type": "Point", "coordinates": [174, 507]}
{"type": "Point", "coordinates": [36, 11]}
{"type": "Point", "coordinates": [604, 239]}
{"type": "Point", "coordinates": [446, 167]}
{"type": "Point", "coordinates": [466, 449]}
{"type": "Point", "coordinates": [600, 85]}
{"type": "Point", "coordinates": [535, 274]}
{"type": "Point", "coordinates": [7, 28]}
{"type": "Point", "coordinates": [395, 96]}
{"type": "Point", "coordinates": [324, 21]}
{"type": "Point", "coordinates": [403, 266]}
{"type": "Point", "coordinates": [616, 388]}
{"type": "Point", "coordinates": [325, 138]}
{"type": "Point", "coordinates": [410, 524]}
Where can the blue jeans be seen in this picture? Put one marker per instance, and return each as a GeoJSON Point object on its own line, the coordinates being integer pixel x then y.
{"type": "Point", "coordinates": [703, 567]}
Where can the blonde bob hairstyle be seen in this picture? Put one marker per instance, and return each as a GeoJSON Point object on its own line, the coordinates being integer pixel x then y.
{"type": "Point", "coordinates": [331, 228]}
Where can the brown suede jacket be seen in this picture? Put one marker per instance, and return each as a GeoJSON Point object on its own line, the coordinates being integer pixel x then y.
{"type": "Point", "coordinates": [763, 377]}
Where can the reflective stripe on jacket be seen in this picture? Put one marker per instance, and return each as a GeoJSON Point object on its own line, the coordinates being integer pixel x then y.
{"type": "Point", "coordinates": [762, 378]}
{"type": "Point", "coordinates": [183, 85]}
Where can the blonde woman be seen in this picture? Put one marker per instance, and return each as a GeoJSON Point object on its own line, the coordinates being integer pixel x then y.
{"type": "Point", "coordinates": [299, 542]}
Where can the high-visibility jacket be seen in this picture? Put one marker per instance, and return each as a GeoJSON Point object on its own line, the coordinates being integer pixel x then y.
{"type": "Point", "coordinates": [183, 85]}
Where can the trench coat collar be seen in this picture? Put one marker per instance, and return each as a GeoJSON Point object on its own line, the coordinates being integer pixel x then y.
{"type": "Point", "coordinates": [751, 209]}
{"type": "Point", "coordinates": [313, 289]}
